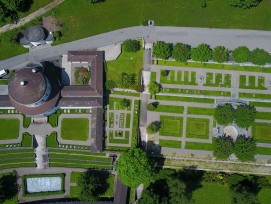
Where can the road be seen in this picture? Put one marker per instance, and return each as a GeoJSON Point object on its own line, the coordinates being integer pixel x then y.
{"type": "Point", "coordinates": [230, 38]}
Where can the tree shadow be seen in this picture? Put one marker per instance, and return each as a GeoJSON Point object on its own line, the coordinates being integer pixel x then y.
{"type": "Point", "coordinates": [26, 6]}
{"type": "Point", "coordinates": [10, 186]}
{"type": "Point", "coordinates": [103, 177]}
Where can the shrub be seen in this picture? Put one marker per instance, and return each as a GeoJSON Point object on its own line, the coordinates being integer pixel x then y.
{"type": "Point", "coordinates": [245, 115]}
{"type": "Point", "coordinates": [110, 84]}
{"type": "Point", "coordinates": [127, 80]}
{"type": "Point", "coordinates": [245, 148]}
{"type": "Point", "coordinates": [139, 88]}
{"type": "Point", "coordinates": [224, 114]}
{"type": "Point", "coordinates": [153, 127]}
{"type": "Point", "coordinates": [241, 54]}
{"type": "Point", "coordinates": [260, 57]}
{"type": "Point", "coordinates": [131, 45]}
{"type": "Point", "coordinates": [220, 54]}
{"type": "Point", "coordinates": [161, 50]}
{"type": "Point", "coordinates": [125, 103]}
{"type": "Point", "coordinates": [223, 147]}
{"type": "Point", "coordinates": [201, 53]}
{"type": "Point", "coordinates": [164, 72]}
{"type": "Point", "coordinates": [151, 107]}
{"type": "Point", "coordinates": [245, 4]}
{"type": "Point", "coordinates": [181, 52]}
{"type": "Point", "coordinates": [81, 75]}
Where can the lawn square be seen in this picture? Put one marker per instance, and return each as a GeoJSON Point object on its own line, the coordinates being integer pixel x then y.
{"type": "Point", "coordinates": [197, 128]}
{"type": "Point", "coordinates": [75, 129]}
{"type": "Point", "coordinates": [9, 128]}
{"type": "Point", "coordinates": [171, 126]}
{"type": "Point", "coordinates": [262, 132]}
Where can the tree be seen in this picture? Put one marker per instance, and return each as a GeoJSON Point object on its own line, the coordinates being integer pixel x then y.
{"type": "Point", "coordinates": [224, 114]}
{"type": "Point", "coordinates": [164, 72]}
{"type": "Point", "coordinates": [125, 103]}
{"type": "Point", "coordinates": [245, 115]}
{"type": "Point", "coordinates": [153, 127]}
{"type": "Point", "coordinates": [181, 52]}
{"type": "Point", "coordinates": [223, 147]}
{"type": "Point", "coordinates": [201, 53]}
{"type": "Point", "coordinates": [10, 8]}
{"type": "Point", "coordinates": [110, 84]}
{"type": "Point", "coordinates": [220, 54]}
{"type": "Point", "coordinates": [131, 45]}
{"type": "Point", "coordinates": [245, 148]}
{"type": "Point", "coordinates": [81, 75]}
{"type": "Point", "coordinates": [134, 168]}
{"type": "Point", "coordinates": [151, 107]}
{"type": "Point", "coordinates": [245, 4]}
{"type": "Point", "coordinates": [89, 185]}
{"type": "Point", "coordinates": [154, 87]}
{"type": "Point", "coordinates": [161, 50]}
{"type": "Point", "coordinates": [127, 80]}
{"type": "Point", "coordinates": [96, 1]}
{"type": "Point", "coordinates": [241, 54]}
{"type": "Point", "coordinates": [139, 88]}
{"type": "Point", "coordinates": [260, 57]}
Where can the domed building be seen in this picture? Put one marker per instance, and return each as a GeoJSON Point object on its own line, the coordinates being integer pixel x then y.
{"type": "Point", "coordinates": [34, 91]}
{"type": "Point", "coordinates": [36, 36]}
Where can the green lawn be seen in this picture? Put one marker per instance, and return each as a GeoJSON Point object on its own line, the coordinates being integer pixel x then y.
{"type": "Point", "coordinates": [9, 128]}
{"type": "Point", "coordinates": [116, 101]}
{"type": "Point", "coordinates": [263, 115]}
{"type": "Point", "coordinates": [169, 109]}
{"type": "Point", "coordinates": [171, 126]}
{"type": "Point", "coordinates": [51, 140]}
{"type": "Point", "coordinates": [119, 140]}
{"type": "Point", "coordinates": [263, 150]}
{"type": "Point", "coordinates": [216, 80]}
{"type": "Point", "coordinates": [27, 140]}
{"type": "Point", "coordinates": [211, 193]}
{"type": "Point", "coordinates": [153, 76]}
{"type": "Point", "coordinates": [170, 143]}
{"type": "Point", "coordinates": [251, 82]}
{"type": "Point", "coordinates": [200, 111]}
{"type": "Point", "coordinates": [251, 95]}
{"type": "Point", "coordinates": [196, 92]}
{"type": "Point", "coordinates": [175, 77]}
{"type": "Point", "coordinates": [199, 146]}
{"type": "Point", "coordinates": [260, 104]}
{"type": "Point", "coordinates": [123, 93]}
{"type": "Point", "coordinates": [128, 120]}
{"type": "Point", "coordinates": [53, 119]}
{"type": "Point", "coordinates": [184, 99]}
{"type": "Point", "coordinates": [75, 129]}
{"type": "Point", "coordinates": [197, 128]}
{"type": "Point", "coordinates": [261, 132]}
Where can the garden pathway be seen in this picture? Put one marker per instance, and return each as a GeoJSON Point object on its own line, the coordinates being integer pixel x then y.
{"type": "Point", "coordinates": [31, 17]}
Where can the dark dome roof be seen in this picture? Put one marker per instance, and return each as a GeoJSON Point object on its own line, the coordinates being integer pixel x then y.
{"type": "Point", "coordinates": [34, 33]}
{"type": "Point", "coordinates": [26, 86]}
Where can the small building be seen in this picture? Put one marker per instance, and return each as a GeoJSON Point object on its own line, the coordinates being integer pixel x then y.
{"type": "Point", "coordinates": [36, 36]}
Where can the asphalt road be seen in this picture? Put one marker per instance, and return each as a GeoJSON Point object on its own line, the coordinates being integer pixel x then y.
{"type": "Point", "coordinates": [193, 36]}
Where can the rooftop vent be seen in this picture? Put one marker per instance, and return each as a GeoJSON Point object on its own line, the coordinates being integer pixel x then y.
{"type": "Point", "coordinates": [34, 70]}
{"type": "Point", "coordinates": [22, 83]}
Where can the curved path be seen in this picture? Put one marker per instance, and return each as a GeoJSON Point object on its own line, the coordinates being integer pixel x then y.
{"type": "Point", "coordinates": [230, 38]}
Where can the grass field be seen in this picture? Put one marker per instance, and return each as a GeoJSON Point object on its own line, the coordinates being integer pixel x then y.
{"type": "Point", "coordinates": [184, 99]}
{"type": "Point", "coordinates": [261, 132]}
{"type": "Point", "coordinates": [199, 146]}
{"type": "Point", "coordinates": [116, 101]}
{"type": "Point", "coordinates": [169, 109]}
{"type": "Point", "coordinates": [9, 128]}
{"type": "Point", "coordinates": [259, 104]}
{"type": "Point", "coordinates": [200, 111]}
{"type": "Point", "coordinates": [27, 140]}
{"type": "Point", "coordinates": [51, 140]}
{"type": "Point", "coordinates": [263, 115]}
{"type": "Point", "coordinates": [53, 119]}
{"type": "Point", "coordinates": [196, 92]}
{"type": "Point", "coordinates": [171, 126]}
{"type": "Point", "coordinates": [170, 143]}
{"type": "Point", "coordinates": [175, 77]}
{"type": "Point", "coordinates": [216, 80]}
{"type": "Point", "coordinates": [197, 128]}
{"type": "Point", "coordinates": [75, 129]}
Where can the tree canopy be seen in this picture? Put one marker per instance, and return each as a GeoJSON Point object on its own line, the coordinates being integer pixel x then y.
{"type": "Point", "coordinates": [154, 87]}
{"type": "Point", "coordinates": [241, 54]}
{"type": "Point", "coordinates": [125, 103]}
{"type": "Point", "coordinates": [153, 127]}
{"type": "Point", "coordinates": [201, 53]}
{"type": "Point", "coordinates": [127, 80]}
{"type": "Point", "coordinates": [151, 106]}
{"type": "Point", "coordinates": [224, 114]}
{"type": "Point", "coordinates": [245, 115]}
{"type": "Point", "coordinates": [223, 147]}
{"type": "Point", "coordinates": [9, 9]}
{"type": "Point", "coordinates": [134, 167]}
{"type": "Point", "coordinates": [220, 54]}
{"type": "Point", "coordinates": [161, 50]}
{"type": "Point", "coordinates": [245, 148]}
{"type": "Point", "coordinates": [245, 4]}
{"type": "Point", "coordinates": [181, 52]}
{"type": "Point", "coordinates": [110, 84]}
{"type": "Point", "coordinates": [131, 45]}
{"type": "Point", "coordinates": [260, 57]}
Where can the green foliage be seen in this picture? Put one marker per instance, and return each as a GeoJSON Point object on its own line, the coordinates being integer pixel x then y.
{"type": "Point", "coordinates": [151, 106]}
{"type": "Point", "coordinates": [164, 72]}
{"type": "Point", "coordinates": [241, 54]}
{"type": "Point", "coordinates": [58, 35]}
{"type": "Point", "coordinates": [81, 75]}
{"type": "Point", "coordinates": [220, 54]}
{"type": "Point", "coordinates": [161, 50]}
{"type": "Point", "coordinates": [154, 87]}
{"type": "Point", "coordinates": [8, 186]}
{"type": "Point", "coordinates": [245, 4]}
{"type": "Point", "coordinates": [260, 57]}
{"type": "Point", "coordinates": [96, 1]}
{"type": "Point", "coordinates": [203, 3]}
{"type": "Point", "coordinates": [131, 45]}
{"type": "Point", "coordinates": [223, 147]}
{"type": "Point", "coordinates": [153, 127]}
{"type": "Point", "coordinates": [201, 53]}
{"type": "Point", "coordinates": [127, 80]}
{"type": "Point", "coordinates": [9, 9]}
{"type": "Point", "coordinates": [110, 84]}
{"type": "Point", "coordinates": [181, 52]}
{"type": "Point", "coordinates": [245, 148]}
{"type": "Point", "coordinates": [245, 115]}
{"type": "Point", "coordinates": [139, 88]}
{"type": "Point", "coordinates": [125, 103]}
{"type": "Point", "coordinates": [134, 168]}
{"type": "Point", "coordinates": [225, 114]}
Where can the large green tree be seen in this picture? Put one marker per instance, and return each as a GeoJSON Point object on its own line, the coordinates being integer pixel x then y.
{"type": "Point", "coordinates": [220, 54]}
{"type": "Point", "coordinates": [9, 9]}
{"type": "Point", "coordinates": [131, 45]}
{"type": "Point", "coordinates": [245, 115]}
{"type": "Point", "coordinates": [161, 50]}
{"type": "Point", "coordinates": [241, 54]}
{"type": "Point", "coordinates": [153, 127]}
{"type": "Point", "coordinates": [154, 87]}
{"type": "Point", "coordinates": [224, 114]}
{"type": "Point", "coordinates": [260, 57]}
{"type": "Point", "coordinates": [201, 53]}
{"type": "Point", "coordinates": [223, 147]}
{"type": "Point", "coordinates": [134, 167]}
{"type": "Point", "coordinates": [181, 52]}
{"type": "Point", "coordinates": [245, 4]}
{"type": "Point", "coordinates": [245, 148]}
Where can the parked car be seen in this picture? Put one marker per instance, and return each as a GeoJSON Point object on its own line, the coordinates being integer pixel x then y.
{"type": "Point", "coordinates": [3, 72]}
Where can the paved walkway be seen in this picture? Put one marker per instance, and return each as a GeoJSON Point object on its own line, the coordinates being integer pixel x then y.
{"type": "Point", "coordinates": [31, 17]}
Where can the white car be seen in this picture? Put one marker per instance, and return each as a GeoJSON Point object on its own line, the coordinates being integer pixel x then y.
{"type": "Point", "coordinates": [3, 72]}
